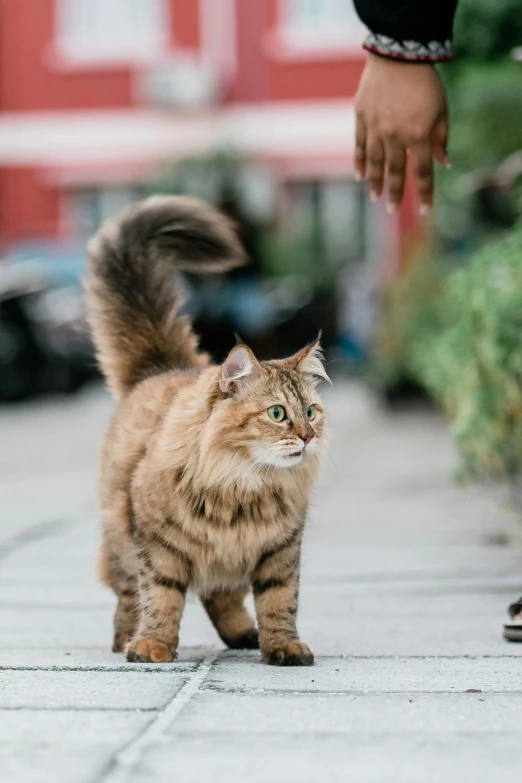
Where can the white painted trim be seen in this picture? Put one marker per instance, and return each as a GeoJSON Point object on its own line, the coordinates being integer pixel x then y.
{"type": "Point", "coordinates": [285, 129]}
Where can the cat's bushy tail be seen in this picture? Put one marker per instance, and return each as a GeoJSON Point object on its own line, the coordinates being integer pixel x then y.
{"type": "Point", "coordinates": [132, 298]}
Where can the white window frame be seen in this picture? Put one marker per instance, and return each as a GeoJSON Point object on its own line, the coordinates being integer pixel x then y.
{"type": "Point", "coordinates": [305, 25]}
{"type": "Point", "coordinates": [111, 30]}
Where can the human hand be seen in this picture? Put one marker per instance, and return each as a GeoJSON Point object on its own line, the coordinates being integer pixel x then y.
{"type": "Point", "coordinates": [401, 110]}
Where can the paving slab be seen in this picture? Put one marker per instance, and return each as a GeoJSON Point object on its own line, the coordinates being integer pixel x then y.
{"type": "Point", "coordinates": [41, 561]}
{"type": "Point", "coordinates": [379, 714]}
{"type": "Point", "coordinates": [58, 498]}
{"type": "Point", "coordinates": [90, 690]}
{"type": "Point", "coordinates": [92, 659]}
{"type": "Point", "coordinates": [69, 628]}
{"type": "Point", "coordinates": [309, 758]}
{"type": "Point", "coordinates": [334, 621]}
{"type": "Point", "coordinates": [367, 675]}
{"type": "Point", "coordinates": [63, 630]}
{"type": "Point", "coordinates": [64, 746]}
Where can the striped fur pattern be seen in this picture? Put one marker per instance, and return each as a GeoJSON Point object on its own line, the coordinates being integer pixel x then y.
{"type": "Point", "coordinates": [200, 487]}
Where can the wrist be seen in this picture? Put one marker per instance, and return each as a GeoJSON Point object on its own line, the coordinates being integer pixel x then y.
{"type": "Point", "coordinates": [412, 52]}
{"type": "Point", "coordinates": [376, 60]}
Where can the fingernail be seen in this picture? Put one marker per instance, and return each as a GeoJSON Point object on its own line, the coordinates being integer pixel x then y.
{"type": "Point", "coordinates": [424, 209]}
{"type": "Point", "coordinates": [358, 177]}
{"type": "Point", "coordinates": [391, 208]}
{"type": "Point", "coordinates": [447, 164]}
{"type": "Point", "coordinates": [374, 196]}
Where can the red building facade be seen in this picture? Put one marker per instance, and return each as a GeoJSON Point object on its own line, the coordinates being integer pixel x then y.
{"type": "Point", "coordinates": [95, 93]}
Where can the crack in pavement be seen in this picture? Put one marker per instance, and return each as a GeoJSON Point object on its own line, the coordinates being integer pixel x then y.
{"type": "Point", "coordinates": [126, 761]}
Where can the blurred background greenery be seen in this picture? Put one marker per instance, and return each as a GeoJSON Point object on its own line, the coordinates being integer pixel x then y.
{"type": "Point", "coordinates": [451, 324]}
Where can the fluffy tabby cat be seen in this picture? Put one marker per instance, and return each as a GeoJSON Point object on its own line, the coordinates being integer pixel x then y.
{"type": "Point", "coordinates": [205, 470]}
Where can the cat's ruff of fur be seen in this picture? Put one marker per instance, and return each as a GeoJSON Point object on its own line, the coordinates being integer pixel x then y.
{"type": "Point", "coordinates": [199, 486]}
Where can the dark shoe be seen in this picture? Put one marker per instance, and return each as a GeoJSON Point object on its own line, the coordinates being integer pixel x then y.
{"type": "Point", "coordinates": [513, 630]}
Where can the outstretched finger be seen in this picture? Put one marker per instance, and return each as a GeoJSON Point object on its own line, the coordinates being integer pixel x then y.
{"type": "Point", "coordinates": [396, 171]}
{"type": "Point", "coordinates": [375, 160]}
{"type": "Point", "coordinates": [422, 165]}
{"type": "Point", "coordinates": [439, 141]}
{"type": "Point", "coordinates": [360, 149]}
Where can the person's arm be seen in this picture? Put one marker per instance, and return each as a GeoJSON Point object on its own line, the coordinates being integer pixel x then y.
{"type": "Point", "coordinates": [400, 103]}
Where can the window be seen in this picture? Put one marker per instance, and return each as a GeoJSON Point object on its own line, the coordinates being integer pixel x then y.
{"type": "Point", "coordinates": [111, 29]}
{"type": "Point", "coordinates": [320, 23]}
{"type": "Point", "coordinates": [88, 208]}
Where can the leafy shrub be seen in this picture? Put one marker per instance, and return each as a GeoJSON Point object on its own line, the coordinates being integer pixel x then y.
{"type": "Point", "coordinates": [460, 336]}
{"type": "Point", "coordinates": [472, 363]}
{"type": "Point", "coordinates": [410, 315]}
{"type": "Point", "coordinates": [487, 29]}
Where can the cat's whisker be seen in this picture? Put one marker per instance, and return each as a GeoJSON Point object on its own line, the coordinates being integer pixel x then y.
{"type": "Point", "coordinates": [334, 463]}
{"type": "Point", "coordinates": [268, 471]}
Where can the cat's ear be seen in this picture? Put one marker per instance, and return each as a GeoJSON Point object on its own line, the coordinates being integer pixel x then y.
{"type": "Point", "coordinates": [239, 367]}
{"type": "Point", "coordinates": [310, 361]}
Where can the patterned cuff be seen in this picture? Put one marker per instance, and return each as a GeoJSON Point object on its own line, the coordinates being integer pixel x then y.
{"type": "Point", "coordinates": [411, 51]}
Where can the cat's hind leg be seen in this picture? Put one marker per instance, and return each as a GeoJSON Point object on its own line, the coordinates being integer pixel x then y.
{"type": "Point", "coordinates": [126, 614]}
{"type": "Point", "coordinates": [231, 620]}
{"type": "Point", "coordinates": [125, 588]}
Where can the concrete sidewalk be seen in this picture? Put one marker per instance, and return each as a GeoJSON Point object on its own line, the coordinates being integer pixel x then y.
{"type": "Point", "coordinates": [404, 589]}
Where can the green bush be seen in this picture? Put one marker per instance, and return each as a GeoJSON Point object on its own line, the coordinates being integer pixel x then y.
{"type": "Point", "coordinates": [472, 362]}
{"type": "Point", "coordinates": [487, 29]}
{"type": "Point", "coordinates": [456, 327]}
{"type": "Point", "coordinates": [409, 315]}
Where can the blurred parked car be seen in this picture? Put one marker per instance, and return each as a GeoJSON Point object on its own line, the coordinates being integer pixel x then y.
{"type": "Point", "coordinates": [44, 339]}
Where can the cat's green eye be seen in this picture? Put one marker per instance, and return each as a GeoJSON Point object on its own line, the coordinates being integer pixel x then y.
{"type": "Point", "coordinates": [277, 413]}
{"type": "Point", "coordinates": [311, 413]}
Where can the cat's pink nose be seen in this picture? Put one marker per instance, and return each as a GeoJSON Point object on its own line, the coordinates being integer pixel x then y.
{"type": "Point", "coordinates": [307, 439]}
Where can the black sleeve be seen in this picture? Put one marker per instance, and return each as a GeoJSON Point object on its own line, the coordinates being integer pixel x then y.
{"type": "Point", "coordinates": [410, 30]}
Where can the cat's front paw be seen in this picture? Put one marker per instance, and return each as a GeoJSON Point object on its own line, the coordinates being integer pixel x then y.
{"type": "Point", "coordinates": [146, 650]}
{"type": "Point", "coordinates": [288, 654]}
